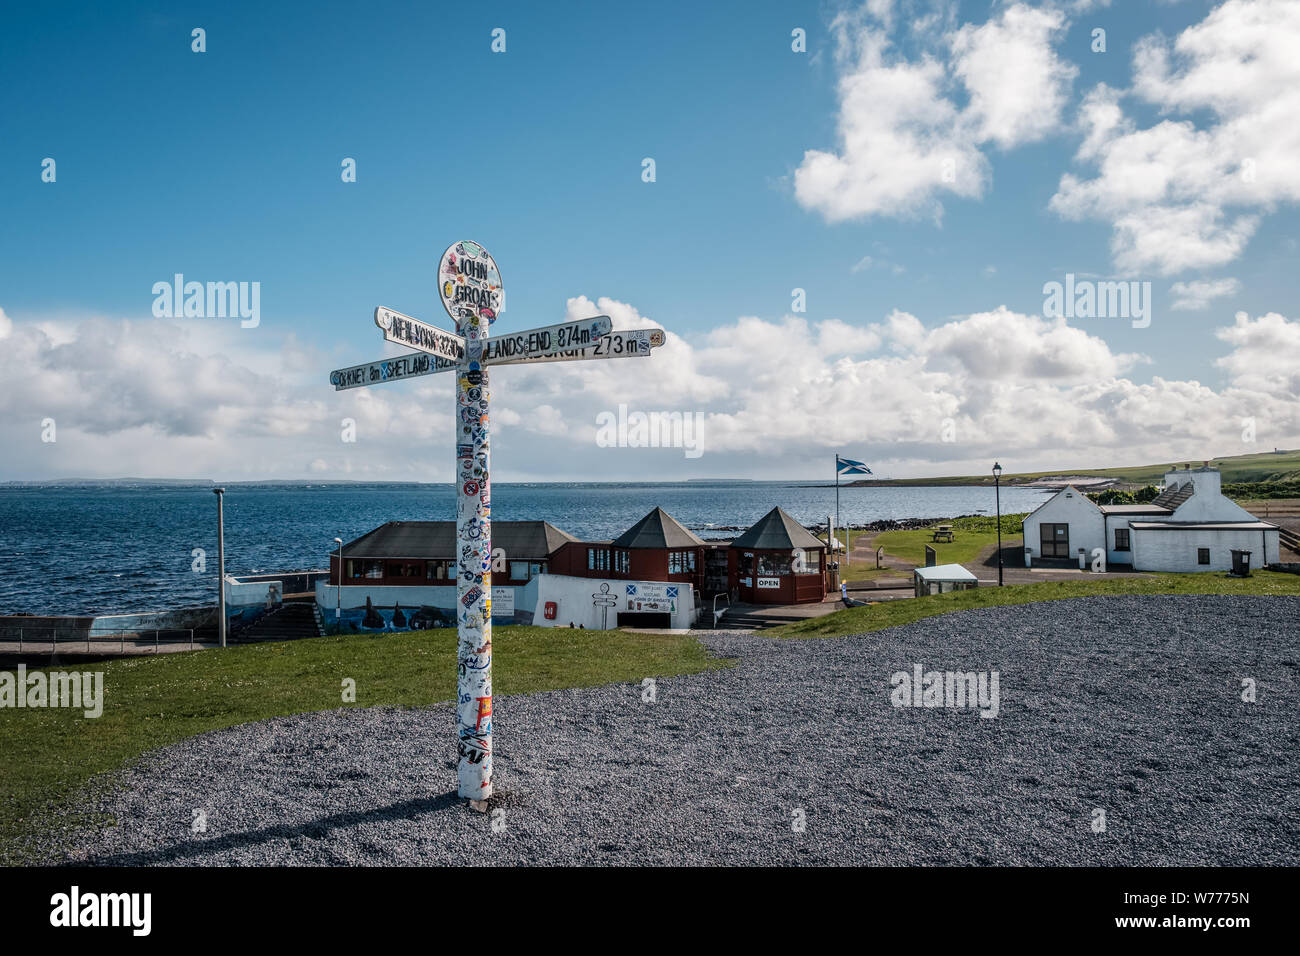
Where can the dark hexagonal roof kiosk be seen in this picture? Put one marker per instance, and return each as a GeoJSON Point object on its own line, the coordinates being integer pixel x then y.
{"type": "Point", "coordinates": [761, 562]}
{"type": "Point", "coordinates": [660, 530]}
{"type": "Point", "coordinates": [777, 531]}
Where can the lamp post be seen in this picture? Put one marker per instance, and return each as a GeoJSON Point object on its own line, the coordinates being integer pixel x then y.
{"type": "Point", "coordinates": [338, 591]}
{"type": "Point", "coordinates": [997, 493]}
{"type": "Point", "coordinates": [221, 564]}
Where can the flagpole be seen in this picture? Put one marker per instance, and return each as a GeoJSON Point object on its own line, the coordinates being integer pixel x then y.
{"type": "Point", "coordinates": [837, 502]}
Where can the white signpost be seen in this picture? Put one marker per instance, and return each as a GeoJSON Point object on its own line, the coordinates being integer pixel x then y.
{"type": "Point", "coordinates": [405, 330]}
{"type": "Point", "coordinates": [389, 370]}
{"type": "Point", "coordinates": [469, 284]}
{"type": "Point", "coordinates": [635, 343]}
{"type": "Point", "coordinates": [631, 343]}
{"type": "Point", "coordinates": [566, 336]}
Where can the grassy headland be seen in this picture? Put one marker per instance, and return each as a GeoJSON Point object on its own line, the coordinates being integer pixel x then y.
{"type": "Point", "coordinates": [1283, 466]}
{"type": "Point", "coordinates": [875, 617]}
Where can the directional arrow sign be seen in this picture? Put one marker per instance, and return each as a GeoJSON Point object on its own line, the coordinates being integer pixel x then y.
{"type": "Point", "coordinates": [629, 343]}
{"type": "Point", "coordinates": [411, 332]}
{"type": "Point", "coordinates": [565, 337]}
{"type": "Point", "coordinates": [389, 370]}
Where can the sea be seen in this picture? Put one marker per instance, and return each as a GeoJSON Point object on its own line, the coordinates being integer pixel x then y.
{"type": "Point", "coordinates": [106, 549]}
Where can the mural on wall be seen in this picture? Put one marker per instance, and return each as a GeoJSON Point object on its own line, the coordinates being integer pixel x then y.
{"type": "Point", "coordinates": [604, 600]}
{"type": "Point", "coordinates": [469, 284]}
{"type": "Point", "coordinates": [651, 596]}
{"type": "Point", "coordinates": [239, 617]}
{"type": "Point", "coordinates": [371, 619]}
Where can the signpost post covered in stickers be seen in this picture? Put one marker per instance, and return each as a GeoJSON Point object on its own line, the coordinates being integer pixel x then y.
{"type": "Point", "coordinates": [470, 287]}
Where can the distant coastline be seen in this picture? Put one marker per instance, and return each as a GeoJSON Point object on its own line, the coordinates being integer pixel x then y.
{"type": "Point", "coordinates": [1276, 465]}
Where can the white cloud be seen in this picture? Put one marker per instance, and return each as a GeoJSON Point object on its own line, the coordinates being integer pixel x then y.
{"type": "Point", "coordinates": [1197, 295]}
{"type": "Point", "coordinates": [905, 141]}
{"type": "Point", "coordinates": [203, 400]}
{"type": "Point", "coordinates": [1263, 356]}
{"type": "Point", "coordinates": [1181, 195]}
{"type": "Point", "coordinates": [1017, 84]}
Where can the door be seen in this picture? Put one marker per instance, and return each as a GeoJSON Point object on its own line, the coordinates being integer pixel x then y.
{"type": "Point", "coordinates": [1054, 540]}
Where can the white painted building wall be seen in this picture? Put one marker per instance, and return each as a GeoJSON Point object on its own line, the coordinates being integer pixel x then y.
{"type": "Point", "coordinates": [1175, 550]}
{"type": "Point", "coordinates": [252, 593]}
{"type": "Point", "coordinates": [1068, 506]}
{"type": "Point", "coordinates": [1208, 503]}
{"type": "Point", "coordinates": [574, 598]}
{"type": "Point", "coordinates": [1112, 523]}
{"type": "Point", "coordinates": [409, 597]}
{"type": "Point", "coordinates": [577, 602]}
{"type": "Point", "coordinates": [354, 595]}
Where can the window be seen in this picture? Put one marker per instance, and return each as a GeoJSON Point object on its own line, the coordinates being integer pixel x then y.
{"type": "Point", "coordinates": [681, 562]}
{"type": "Point", "coordinates": [597, 559]}
{"type": "Point", "coordinates": [1121, 539]}
{"type": "Point", "coordinates": [770, 565]}
{"type": "Point", "coordinates": [403, 569]}
{"type": "Point", "coordinates": [365, 569]}
{"type": "Point", "coordinates": [1202, 555]}
{"type": "Point", "coordinates": [622, 562]}
{"type": "Point", "coordinates": [440, 570]}
{"type": "Point", "coordinates": [812, 561]}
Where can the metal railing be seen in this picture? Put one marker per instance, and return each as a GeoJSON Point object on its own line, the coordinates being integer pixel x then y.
{"type": "Point", "coordinates": [716, 616]}
{"type": "Point", "coordinates": [28, 638]}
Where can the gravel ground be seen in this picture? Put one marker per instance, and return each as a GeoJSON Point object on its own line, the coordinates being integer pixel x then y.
{"type": "Point", "coordinates": [1127, 704]}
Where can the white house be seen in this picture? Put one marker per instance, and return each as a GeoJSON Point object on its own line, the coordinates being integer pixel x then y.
{"type": "Point", "coordinates": [1190, 526]}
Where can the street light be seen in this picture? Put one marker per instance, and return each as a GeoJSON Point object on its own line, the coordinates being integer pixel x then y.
{"type": "Point", "coordinates": [221, 564]}
{"type": "Point", "coordinates": [338, 591]}
{"type": "Point", "coordinates": [997, 492]}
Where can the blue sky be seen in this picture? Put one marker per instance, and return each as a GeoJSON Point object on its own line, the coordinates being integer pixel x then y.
{"type": "Point", "coordinates": [224, 165]}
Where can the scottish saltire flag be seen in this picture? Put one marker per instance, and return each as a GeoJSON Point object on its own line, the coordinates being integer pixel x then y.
{"type": "Point", "coordinates": [847, 466]}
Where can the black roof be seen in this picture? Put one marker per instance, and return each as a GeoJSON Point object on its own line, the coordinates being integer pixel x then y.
{"type": "Point", "coordinates": [658, 529]}
{"type": "Point", "coordinates": [1171, 498]}
{"type": "Point", "coordinates": [437, 539]}
{"type": "Point", "coordinates": [777, 531]}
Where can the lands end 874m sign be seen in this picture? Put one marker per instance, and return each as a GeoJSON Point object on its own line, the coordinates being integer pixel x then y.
{"type": "Point", "coordinates": [469, 284]}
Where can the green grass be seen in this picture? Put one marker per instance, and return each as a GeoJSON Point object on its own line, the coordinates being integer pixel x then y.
{"type": "Point", "coordinates": [909, 546]}
{"type": "Point", "coordinates": [150, 702]}
{"type": "Point", "coordinates": [973, 535]}
{"type": "Point", "coordinates": [1265, 467]}
{"type": "Point", "coordinates": [866, 570]}
{"type": "Point", "coordinates": [862, 620]}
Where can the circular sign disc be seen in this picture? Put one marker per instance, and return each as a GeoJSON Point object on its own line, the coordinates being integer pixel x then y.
{"type": "Point", "coordinates": [469, 284]}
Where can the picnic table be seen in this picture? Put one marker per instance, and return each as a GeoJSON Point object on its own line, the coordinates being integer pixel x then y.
{"type": "Point", "coordinates": [942, 532]}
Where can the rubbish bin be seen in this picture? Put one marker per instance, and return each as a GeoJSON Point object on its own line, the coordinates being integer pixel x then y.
{"type": "Point", "coordinates": [1029, 557]}
{"type": "Point", "coordinates": [1240, 563]}
{"type": "Point", "coordinates": [1083, 560]}
{"type": "Point", "coordinates": [833, 576]}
